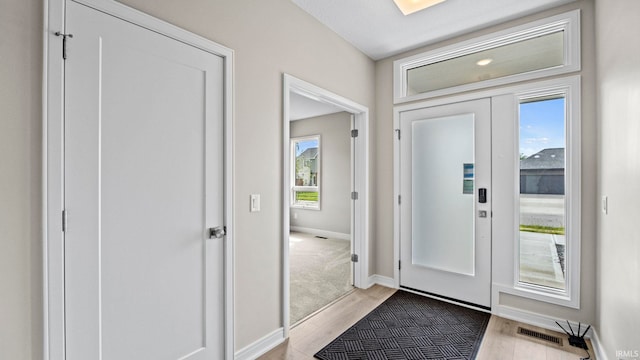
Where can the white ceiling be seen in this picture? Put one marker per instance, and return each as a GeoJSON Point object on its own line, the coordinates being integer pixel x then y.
{"type": "Point", "coordinates": [302, 107]}
{"type": "Point", "coordinates": [378, 28]}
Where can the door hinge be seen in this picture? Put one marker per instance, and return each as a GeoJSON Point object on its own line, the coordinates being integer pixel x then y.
{"type": "Point", "coordinates": [217, 232]}
{"type": "Point", "coordinates": [354, 258]}
{"type": "Point", "coordinates": [399, 265]}
{"type": "Point", "coordinates": [64, 43]}
{"type": "Point", "coordinates": [354, 133]}
{"type": "Point", "coordinates": [398, 133]}
{"type": "Point", "coordinates": [354, 195]}
{"type": "Point", "coordinates": [399, 199]}
{"type": "Point", "coordinates": [65, 225]}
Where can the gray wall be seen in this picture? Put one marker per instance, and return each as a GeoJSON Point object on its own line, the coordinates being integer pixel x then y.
{"type": "Point", "coordinates": [335, 173]}
{"type": "Point", "coordinates": [20, 179]}
{"type": "Point", "coordinates": [384, 164]}
{"type": "Point", "coordinates": [618, 295]}
{"type": "Point", "coordinates": [269, 37]}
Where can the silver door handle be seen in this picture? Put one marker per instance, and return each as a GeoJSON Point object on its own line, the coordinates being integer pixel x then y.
{"type": "Point", "coordinates": [217, 232]}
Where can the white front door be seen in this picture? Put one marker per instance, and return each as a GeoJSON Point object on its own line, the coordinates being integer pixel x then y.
{"type": "Point", "coordinates": [143, 183]}
{"type": "Point", "coordinates": [445, 203]}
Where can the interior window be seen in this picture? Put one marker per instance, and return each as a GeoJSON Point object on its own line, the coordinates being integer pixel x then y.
{"type": "Point", "coordinates": [305, 172]}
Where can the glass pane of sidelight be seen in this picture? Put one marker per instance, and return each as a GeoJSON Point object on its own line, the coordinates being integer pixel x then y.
{"type": "Point", "coordinates": [542, 193]}
{"type": "Point", "coordinates": [443, 157]}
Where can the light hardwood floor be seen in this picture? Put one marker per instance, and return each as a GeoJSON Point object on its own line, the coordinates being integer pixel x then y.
{"type": "Point", "coordinates": [500, 341]}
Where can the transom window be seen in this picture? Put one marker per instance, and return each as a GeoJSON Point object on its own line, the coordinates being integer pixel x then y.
{"type": "Point", "coordinates": [542, 48]}
{"type": "Point", "coordinates": [305, 172]}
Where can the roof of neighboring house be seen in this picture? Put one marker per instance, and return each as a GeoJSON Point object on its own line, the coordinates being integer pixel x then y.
{"type": "Point", "coordinates": [310, 153]}
{"type": "Point", "coordinates": [545, 159]}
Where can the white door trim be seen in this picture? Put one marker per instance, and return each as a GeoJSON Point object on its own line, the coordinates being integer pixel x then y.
{"type": "Point", "coordinates": [361, 211]}
{"type": "Point", "coordinates": [53, 143]}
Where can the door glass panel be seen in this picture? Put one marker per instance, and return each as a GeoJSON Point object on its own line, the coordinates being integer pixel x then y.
{"type": "Point", "coordinates": [443, 193]}
{"type": "Point", "coordinates": [542, 192]}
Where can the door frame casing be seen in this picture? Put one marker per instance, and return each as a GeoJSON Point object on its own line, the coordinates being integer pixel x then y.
{"type": "Point", "coordinates": [53, 162]}
{"type": "Point", "coordinates": [360, 207]}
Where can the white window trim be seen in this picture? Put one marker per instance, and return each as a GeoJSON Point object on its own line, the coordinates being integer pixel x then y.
{"type": "Point", "coordinates": [305, 205]}
{"type": "Point", "coordinates": [568, 22]}
{"type": "Point", "coordinates": [569, 88]}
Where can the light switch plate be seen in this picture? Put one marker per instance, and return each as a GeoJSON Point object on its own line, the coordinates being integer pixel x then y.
{"type": "Point", "coordinates": [254, 203]}
{"type": "Point", "coordinates": [605, 205]}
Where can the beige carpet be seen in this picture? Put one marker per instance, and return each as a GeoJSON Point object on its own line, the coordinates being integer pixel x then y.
{"type": "Point", "coordinates": [320, 272]}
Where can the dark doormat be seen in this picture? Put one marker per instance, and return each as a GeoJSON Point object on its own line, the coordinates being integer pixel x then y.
{"type": "Point", "coordinates": [410, 326]}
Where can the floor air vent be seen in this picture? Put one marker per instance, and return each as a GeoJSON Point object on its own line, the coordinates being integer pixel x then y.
{"type": "Point", "coordinates": [550, 338]}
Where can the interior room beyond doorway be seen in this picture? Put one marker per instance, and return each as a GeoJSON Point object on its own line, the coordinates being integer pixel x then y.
{"type": "Point", "coordinates": [320, 273]}
{"type": "Point", "coordinates": [320, 209]}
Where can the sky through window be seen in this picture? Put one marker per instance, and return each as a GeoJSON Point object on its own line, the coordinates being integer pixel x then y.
{"type": "Point", "coordinates": [541, 125]}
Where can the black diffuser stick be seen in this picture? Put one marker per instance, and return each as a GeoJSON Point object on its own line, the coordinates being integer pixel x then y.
{"type": "Point", "coordinates": [563, 329]}
{"type": "Point", "coordinates": [570, 328]}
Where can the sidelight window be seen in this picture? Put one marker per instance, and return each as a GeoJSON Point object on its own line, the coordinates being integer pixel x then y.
{"type": "Point", "coordinates": [542, 195]}
{"type": "Point", "coordinates": [548, 193]}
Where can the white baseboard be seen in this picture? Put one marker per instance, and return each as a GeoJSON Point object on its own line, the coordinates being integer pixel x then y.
{"type": "Point", "coordinates": [381, 280]}
{"type": "Point", "coordinates": [325, 233]}
{"type": "Point", "coordinates": [261, 346]}
{"type": "Point", "coordinates": [597, 347]}
{"type": "Point", "coordinates": [535, 319]}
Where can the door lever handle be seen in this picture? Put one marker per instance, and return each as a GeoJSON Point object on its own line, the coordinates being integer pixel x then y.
{"type": "Point", "coordinates": [217, 232]}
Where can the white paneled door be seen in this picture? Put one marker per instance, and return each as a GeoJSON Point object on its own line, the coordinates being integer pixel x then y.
{"type": "Point", "coordinates": [445, 203]}
{"type": "Point", "coordinates": [143, 184]}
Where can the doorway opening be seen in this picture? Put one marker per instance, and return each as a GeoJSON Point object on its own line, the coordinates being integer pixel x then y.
{"type": "Point", "coordinates": [320, 264]}
{"type": "Point", "coordinates": [325, 162]}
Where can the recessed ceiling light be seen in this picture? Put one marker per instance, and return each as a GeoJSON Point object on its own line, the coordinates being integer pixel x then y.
{"type": "Point", "coordinates": [484, 62]}
{"type": "Point", "coordinates": [410, 6]}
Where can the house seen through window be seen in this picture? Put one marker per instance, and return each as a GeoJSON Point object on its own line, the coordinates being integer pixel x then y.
{"type": "Point", "coordinates": [306, 172]}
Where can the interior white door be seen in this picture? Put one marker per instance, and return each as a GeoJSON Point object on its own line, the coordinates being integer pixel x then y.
{"type": "Point", "coordinates": [445, 226]}
{"type": "Point", "coordinates": [143, 183]}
